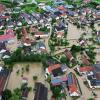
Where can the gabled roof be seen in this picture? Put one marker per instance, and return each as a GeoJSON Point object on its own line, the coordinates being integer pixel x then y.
{"type": "Point", "coordinates": [86, 69]}
{"type": "Point", "coordinates": [61, 8]}
{"type": "Point", "coordinates": [41, 92]}
{"type": "Point", "coordinates": [68, 54]}
{"type": "Point", "coordinates": [98, 75]}
{"type": "Point", "coordinates": [85, 60]}
{"type": "Point", "coordinates": [72, 83]}
{"type": "Point", "coordinates": [24, 32]}
{"type": "Point", "coordinates": [87, 1]}
{"type": "Point", "coordinates": [2, 46]}
{"type": "Point", "coordinates": [57, 72]}
{"type": "Point", "coordinates": [73, 88]}
{"type": "Point", "coordinates": [6, 37]}
{"type": "Point", "coordinates": [4, 17]}
{"type": "Point", "coordinates": [52, 67]}
{"type": "Point", "coordinates": [2, 7]}
{"type": "Point", "coordinates": [58, 81]}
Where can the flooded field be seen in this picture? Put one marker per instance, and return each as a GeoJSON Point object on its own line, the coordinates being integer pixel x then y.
{"type": "Point", "coordinates": [35, 69]}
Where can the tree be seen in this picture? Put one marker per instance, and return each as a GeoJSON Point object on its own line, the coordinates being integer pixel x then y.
{"type": "Point", "coordinates": [76, 49]}
{"type": "Point", "coordinates": [56, 91]}
{"type": "Point", "coordinates": [35, 78]}
{"type": "Point", "coordinates": [6, 94]}
{"type": "Point", "coordinates": [27, 68]}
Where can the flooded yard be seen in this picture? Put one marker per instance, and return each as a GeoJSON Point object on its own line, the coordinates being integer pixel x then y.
{"type": "Point", "coordinates": [35, 69]}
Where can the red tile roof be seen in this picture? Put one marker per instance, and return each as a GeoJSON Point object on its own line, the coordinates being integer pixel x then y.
{"type": "Point", "coordinates": [4, 17]}
{"type": "Point", "coordinates": [24, 32]}
{"type": "Point", "coordinates": [6, 37]}
{"type": "Point", "coordinates": [85, 61]}
{"type": "Point", "coordinates": [60, 33]}
{"type": "Point", "coordinates": [62, 8]}
{"type": "Point", "coordinates": [73, 88]}
{"type": "Point", "coordinates": [68, 54]}
{"type": "Point", "coordinates": [86, 69]}
{"type": "Point", "coordinates": [2, 8]}
{"type": "Point", "coordinates": [55, 66]}
{"type": "Point", "coordinates": [33, 29]}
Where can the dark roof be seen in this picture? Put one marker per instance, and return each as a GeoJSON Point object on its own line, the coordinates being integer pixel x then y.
{"type": "Point", "coordinates": [41, 92]}
{"type": "Point", "coordinates": [2, 45]}
{"type": "Point", "coordinates": [57, 72]}
{"type": "Point", "coordinates": [97, 67]}
{"type": "Point", "coordinates": [95, 78]}
{"type": "Point", "coordinates": [57, 13]}
{"type": "Point", "coordinates": [60, 27]}
{"type": "Point", "coordinates": [3, 77]}
{"type": "Point", "coordinates": [94, 81]}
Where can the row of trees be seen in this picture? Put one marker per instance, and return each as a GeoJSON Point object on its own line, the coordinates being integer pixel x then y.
{"type": "Point", "coordinates": [20, 56]}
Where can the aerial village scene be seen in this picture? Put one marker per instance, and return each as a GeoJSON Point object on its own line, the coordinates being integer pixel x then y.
{"type": "Point", "coordinates": [49, 49]}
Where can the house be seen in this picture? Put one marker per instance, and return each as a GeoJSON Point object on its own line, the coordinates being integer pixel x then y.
{"type": "Point", "coordinates": [60, 34]}
{"type": "Point", "coordinates": [82, 42]}
{"type": "Point", "coordinates": [60, 27]}
{"type": "Point", "coordinates": [58, 80]}
{"type": "Point", "coordinates": [87, 1]}
{"type": "Point", "coordinates": [24, 32]}
{"type": "Point", "coordinates": [85, 60]}
{"type": "Point", "coordinates": [2, 47]}
{"type": "Point", "coordinates": [70, 13]}
{"type": "Point", "coordinates": [56, 69]}
{"type": "Point", "coordinates": [85, 70]}
{"type": "Point", "coordinates": [25, 39]}
{"type": "Point", "coordinates": [38, 33]}
{"type": "Point", "coordinates": [73, 85]}
{"type": "Point", "coordinates": [41, 92]}
{"type": "Point", "coordinates": [42, 46]}
{"type": "Point", "coordinates": [59, 2]}
{"type": "Point", "coordinates": [94, 80]}
{"type": "Point", "coordinates": [25, 93]}
{"type": "Point", "coordinates": [38, 47]}
{"type": "Point", "coordinates": [27, 42]}
{"type": "Point", "coordinates": [69, 6]}
{"type": "Point", "coordinates": [7, 37]}
{"type": "Point", "coordinates": [4, 73]}
{"type": "Point", "coordinates": [98, 36]}
{"type": "Point", "coordinates": [41, 34]}
{"type": "Point", "coordinates": [68, 54]}
{"type": "Point", "coordinates": [2, 8]}
{"type": "Point", "coordinates": [50, 9]}
{"type": "Point", "coordinates": [6, 55]}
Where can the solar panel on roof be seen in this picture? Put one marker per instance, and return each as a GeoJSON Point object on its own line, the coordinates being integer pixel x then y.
{"type": "Point", "coordinates": [70, 80]}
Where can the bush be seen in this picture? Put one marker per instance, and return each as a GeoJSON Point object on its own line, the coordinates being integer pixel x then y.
{"type": "Point", "coordinates": [35, 78]}
{"type": "Point", "coordinates": [91, 99]}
